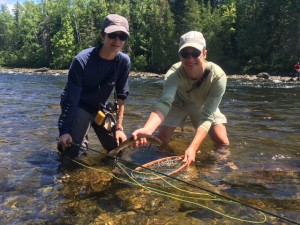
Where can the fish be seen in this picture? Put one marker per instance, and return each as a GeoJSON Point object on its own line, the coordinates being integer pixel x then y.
{"type": "Point", "coordinates": [130, 142]}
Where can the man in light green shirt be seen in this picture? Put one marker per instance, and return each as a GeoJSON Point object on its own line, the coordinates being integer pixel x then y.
{"type": "Point", "coordinates": [193, 87]}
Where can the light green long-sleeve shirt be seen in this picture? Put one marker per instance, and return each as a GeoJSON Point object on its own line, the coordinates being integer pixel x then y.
{"type": "Point", "coordinates": [186, 93]}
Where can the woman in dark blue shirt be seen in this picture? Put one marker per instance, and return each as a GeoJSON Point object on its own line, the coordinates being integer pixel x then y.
{"type": "Point", "coordinates": [93, 75]}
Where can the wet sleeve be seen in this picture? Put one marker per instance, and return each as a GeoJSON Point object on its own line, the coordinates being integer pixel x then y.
{"type": "Point", "coordinates": [212, 102]}
{"type": "Point", "coordinates": [70, 98]}
{"type": "Point", "coordinates": [169, 90]}
{"type": "Point", "coordinates": [122, 86]}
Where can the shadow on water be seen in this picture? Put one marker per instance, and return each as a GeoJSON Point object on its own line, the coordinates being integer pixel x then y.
{"type": "Point", "coordinates": [263, 169]}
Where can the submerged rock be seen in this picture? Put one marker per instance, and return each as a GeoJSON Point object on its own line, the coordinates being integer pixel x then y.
{"type": "Point", "coordinates": [136, 198]}
{"type": "Point", "coordinates": [86, 181]}
{"type": "Point", "coordinates": [270, 175]}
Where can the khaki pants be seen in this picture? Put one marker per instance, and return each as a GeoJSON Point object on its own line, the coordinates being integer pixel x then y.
{"type": "Point", "coordinates": [177, 117]}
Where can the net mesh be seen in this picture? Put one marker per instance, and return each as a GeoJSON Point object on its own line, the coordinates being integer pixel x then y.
{"type": "Point", "coordinates": [159, 168]}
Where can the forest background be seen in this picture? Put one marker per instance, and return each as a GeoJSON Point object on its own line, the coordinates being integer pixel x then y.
{"type": "Point", "coordinates": [243, 36]}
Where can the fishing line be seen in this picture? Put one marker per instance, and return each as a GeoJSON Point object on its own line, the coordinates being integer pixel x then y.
{"type": "Point", "coordinates": [171, 195]}
{"type": "Point", "coordinates": [123, 167]}
{"type": "Point", "coordinates": [176, 197]}
{"type": "Point", "coordinates": [185, 182]}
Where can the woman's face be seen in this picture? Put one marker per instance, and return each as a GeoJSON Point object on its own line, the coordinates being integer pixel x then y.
{"type": "Point", "coordinates": [193, 61]}
{"type": "Point", "coordinates": [115, 41]}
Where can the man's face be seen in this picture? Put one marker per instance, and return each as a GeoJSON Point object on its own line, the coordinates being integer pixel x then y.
{"type": "Point", "coordinates": [193, 61]}
{"type": "Point", "coordinates": [114, 41]}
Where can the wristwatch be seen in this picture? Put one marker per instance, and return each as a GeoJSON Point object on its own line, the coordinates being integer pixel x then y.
{"type": "Point", "coordinates": [120, 129]}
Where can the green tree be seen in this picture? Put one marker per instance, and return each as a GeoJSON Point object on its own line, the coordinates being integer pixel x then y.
{"type": "Point", "coordinates": [6, 34]}
{"type": "Point", "coordinates": [121, 7]}
{"type": "Point", "coordinates": [138, 37]}
{"type": "Point", "coordinates": [162, 46]}
{"type": "Point", "coordinates": [242, 35]}
{"type": "Point", "coordinates": [45, 29]}
{"type": "Point", "coordinates": [87, 16]}
{"type": "Point", "coordinates": [63, 49]}
{"type": "Point", "coordinates": [221, 37]}
{"type": "Point", "coordinates": [16, 44]}
{"type": "Point", "coordinates": [268, 34]}
{"type": "Point", "coordinates": [152, 42]}
{"type": "Point", "coordinates": [31, 52]}
{"type": "Point", "coordinates": [285, 35]}
{"type": "Point", "coordinates": [187, 16]}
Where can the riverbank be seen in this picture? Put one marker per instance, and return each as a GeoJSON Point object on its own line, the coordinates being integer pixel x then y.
{"type": "Point", "coordinates": [46, 71]}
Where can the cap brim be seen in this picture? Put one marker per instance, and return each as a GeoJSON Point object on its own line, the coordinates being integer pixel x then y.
{"type": "Point", "coordinates": [193, 45]}
{"type": "Point", "coordinates": [115, 28]}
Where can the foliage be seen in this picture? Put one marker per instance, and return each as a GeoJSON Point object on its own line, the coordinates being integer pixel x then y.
{"type": "Point", "coordinates": [247, 36]}
{"type": "Point", "coordinates": [63, 44]}
{"type": "Point", "coordinates": [6, 34]}
{"type": "Point", "coordinates": [268, 35]}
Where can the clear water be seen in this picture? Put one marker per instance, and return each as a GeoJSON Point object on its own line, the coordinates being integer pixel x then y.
{"type": "Point", "coordinates": [263, 126]}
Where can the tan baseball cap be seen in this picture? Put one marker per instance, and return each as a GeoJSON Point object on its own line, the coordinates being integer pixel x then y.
{"type": "Point", "coordinates": [193, 39]}
{"type": "Point", "coordinates": [114, 22]}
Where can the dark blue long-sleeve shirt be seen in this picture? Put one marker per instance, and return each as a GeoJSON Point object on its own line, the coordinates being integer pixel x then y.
{"type": "Point", "coordinates": [91, 80]}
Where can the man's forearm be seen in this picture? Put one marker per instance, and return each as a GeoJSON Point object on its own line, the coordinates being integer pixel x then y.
{"type": "Point", "coordinates": [154, 121]}
{"type": "Point", "coordinates": [198, 139]}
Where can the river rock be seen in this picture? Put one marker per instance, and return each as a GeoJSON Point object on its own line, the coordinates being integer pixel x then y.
{"type": "Point", "coordinates": [263, 75]}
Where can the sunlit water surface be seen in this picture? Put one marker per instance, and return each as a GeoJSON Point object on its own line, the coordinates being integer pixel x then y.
{"type": "Point", "coordinates": [263, 126]}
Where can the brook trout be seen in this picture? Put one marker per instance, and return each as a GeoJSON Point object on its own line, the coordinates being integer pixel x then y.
{"type": "Point", "coordinates": [130, 142]}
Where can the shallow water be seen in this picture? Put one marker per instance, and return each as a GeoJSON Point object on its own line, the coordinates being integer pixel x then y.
{"type": "Point", "coordinates": [263, 126]}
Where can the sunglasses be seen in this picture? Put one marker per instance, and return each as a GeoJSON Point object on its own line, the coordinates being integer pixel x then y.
{"type": "Point", "coordinates": [121, 36]}
{"type": "Point", "coordinates": [186, 54]}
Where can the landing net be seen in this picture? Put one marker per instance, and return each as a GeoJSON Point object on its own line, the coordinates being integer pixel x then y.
{"type": "Point", "coordinates": [159, 168]}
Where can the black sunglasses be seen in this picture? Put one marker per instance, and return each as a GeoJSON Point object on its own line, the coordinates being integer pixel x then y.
{"type": "Point", "coordinates": [186, 54]}
{"type": "Point", "coordinates": [114, 35]}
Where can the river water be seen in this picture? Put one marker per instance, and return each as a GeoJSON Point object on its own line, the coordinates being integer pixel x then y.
{"type": "Point", "coordinates": [264, 131]}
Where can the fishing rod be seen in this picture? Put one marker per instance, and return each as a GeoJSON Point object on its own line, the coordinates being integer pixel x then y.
{"type": "Point", "coordinates": [190, 184]}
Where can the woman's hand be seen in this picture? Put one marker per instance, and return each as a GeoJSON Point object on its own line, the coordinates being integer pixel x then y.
{"type": "Point", "coordinates": [190, 155]}
{"type": "Point", "coordinates": [120, 136]}
{"type": "Point", "coordinates": [65, 140]}
{"type": "Point", "coordinates": [139, 137]}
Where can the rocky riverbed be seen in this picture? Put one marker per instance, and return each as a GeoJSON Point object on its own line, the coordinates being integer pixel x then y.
{"type": "Point", "coordinates": [47, 71]}
{"type": "Point", "coordinates": [260, 76]}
